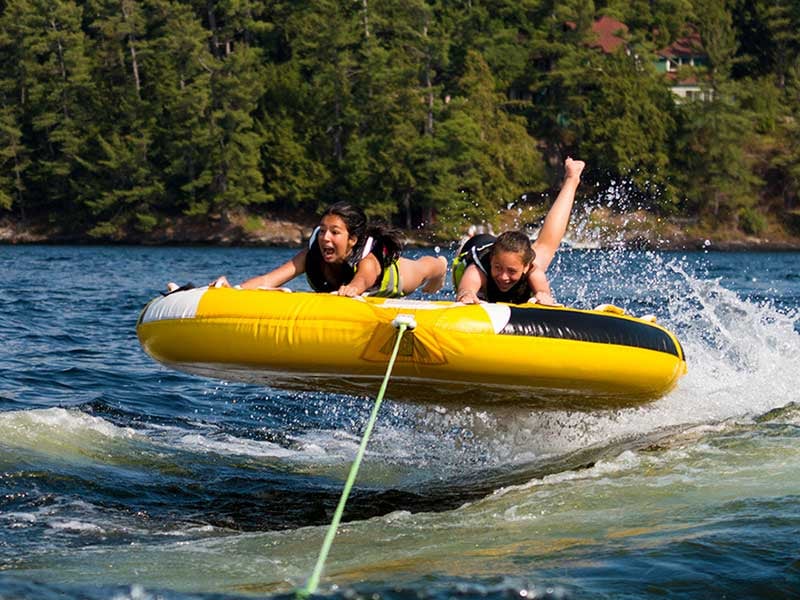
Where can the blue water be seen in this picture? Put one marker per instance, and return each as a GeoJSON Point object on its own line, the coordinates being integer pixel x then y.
{"type": "Point", "coordinates": [121, 479]}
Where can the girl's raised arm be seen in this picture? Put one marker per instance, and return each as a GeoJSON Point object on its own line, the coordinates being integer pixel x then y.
{"type": "Point", "coordinates": [557, 219]}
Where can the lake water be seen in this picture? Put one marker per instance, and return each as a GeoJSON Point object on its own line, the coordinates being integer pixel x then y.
{"type": "Point", "coordinates": [120, 479]}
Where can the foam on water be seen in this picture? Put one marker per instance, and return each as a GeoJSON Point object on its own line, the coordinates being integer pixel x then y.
{"type": "Point", "coordinates": [63, 432]}
{"type": "Point", "coordinates": [230, 445]}
{"type": "Point", "coordinates": [635, 502]}
{"type": "Point", "coordinates": [60, 432]}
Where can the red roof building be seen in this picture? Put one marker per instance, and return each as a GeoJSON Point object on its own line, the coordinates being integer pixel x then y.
{"type": "Point", "coordinates": [686, 52]}
{"type": "Point", "coordinates": [610, 34]}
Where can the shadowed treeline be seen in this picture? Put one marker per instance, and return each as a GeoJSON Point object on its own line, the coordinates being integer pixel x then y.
{"type": "Point", "coordinates": [116, 115]}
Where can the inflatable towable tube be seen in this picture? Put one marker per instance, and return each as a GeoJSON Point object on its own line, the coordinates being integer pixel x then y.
{"type": "Point", "coordinates": [466, 353]}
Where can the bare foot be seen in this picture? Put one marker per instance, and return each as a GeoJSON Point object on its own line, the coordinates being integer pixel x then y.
{"type": "Point", "coordinates": [436, 282]}
{"type": "Point", "coordinates": [219, 282]}
{"type": "Point", "coordinates": [172, 286]}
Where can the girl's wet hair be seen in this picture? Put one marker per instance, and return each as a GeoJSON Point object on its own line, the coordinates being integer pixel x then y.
{"type": "Point", "coordinates": [390, 240]}
{"type": "Point", "coordinates": [515, 241]}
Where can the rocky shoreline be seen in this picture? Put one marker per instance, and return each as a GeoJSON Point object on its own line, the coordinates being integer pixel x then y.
{"type": "Point", "coordinates": [216, 231]}
{"type": "Point", "coordinates": [622, 231]}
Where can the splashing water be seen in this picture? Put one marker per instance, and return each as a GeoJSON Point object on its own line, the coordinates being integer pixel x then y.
{"type": "Point", "coordinates": [740, 354]}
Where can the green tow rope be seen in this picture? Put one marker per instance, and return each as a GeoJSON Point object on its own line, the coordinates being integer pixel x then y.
{"type": "Point", "coordinates": [401, 323]}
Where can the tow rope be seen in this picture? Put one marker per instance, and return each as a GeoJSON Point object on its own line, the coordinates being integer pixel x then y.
{"type": "Point", "coordinates": [401, 323]}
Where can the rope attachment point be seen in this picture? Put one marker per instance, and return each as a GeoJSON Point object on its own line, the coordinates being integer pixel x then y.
{"type": "Point", "coordinates": [408, 320]}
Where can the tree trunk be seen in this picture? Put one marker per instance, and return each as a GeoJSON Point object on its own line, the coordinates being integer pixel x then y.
{"type": "Point", "coordinates": [428, 216]}
{"type": "Point", "coordinates": [337, 132]}
{"type": "Point", "coordinates": [132, 48]}
{"type": "Point", "coordinates": [63, 67]}
{"type": "Point", "coordinates": [60, 52]}
{"type": "Point", "coordinates": [18, 186]}
{"type": "Point", "coordinates": [428, 86]}
{"type": "Point", "coordinates": [407, 208]}
{"type": "Point", "coordinates": [212, 25]}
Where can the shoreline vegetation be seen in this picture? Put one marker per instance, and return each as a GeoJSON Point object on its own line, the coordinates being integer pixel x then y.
{"type": "Point", "coordinates": [168, 121]}
{"type": "Point", "coordinates": [595, 229]}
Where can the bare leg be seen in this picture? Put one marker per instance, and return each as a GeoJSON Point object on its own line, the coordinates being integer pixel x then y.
{"type": "Point", "coordinates": [555, 223]}
{"type": "Point", "coordinates": [428, 272]}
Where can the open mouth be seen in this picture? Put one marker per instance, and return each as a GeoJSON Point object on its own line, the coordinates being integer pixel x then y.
{"type": "Point", "coordinates": [328, 253]}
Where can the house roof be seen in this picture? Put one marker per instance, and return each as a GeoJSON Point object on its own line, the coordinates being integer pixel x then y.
{"type": "Point", "coordinates": [611, 34]}
{"type": "Point", "coordinates": [690, 80]}
{"type": "Point", "coordinates": [690, 45]}
{"type": "Point", "coordinates": [607, 30]}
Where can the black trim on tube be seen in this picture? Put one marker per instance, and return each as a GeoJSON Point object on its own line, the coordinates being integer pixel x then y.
{"type": "Point", "coordinates": [589, 327]}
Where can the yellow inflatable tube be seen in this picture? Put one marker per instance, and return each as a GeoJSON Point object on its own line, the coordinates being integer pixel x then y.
{"type": "Point", "coordinates": [488, 352]}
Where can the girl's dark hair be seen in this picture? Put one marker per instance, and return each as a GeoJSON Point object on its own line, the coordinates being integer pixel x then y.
{"type": "Point", "coordinates": [389, 241]}
{"type": "Point", "coordinates": [354, 218]}
{"type": "Point", "coordinates": [514, 241]}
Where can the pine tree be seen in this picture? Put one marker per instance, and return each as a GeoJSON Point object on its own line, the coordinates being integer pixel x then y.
{"type": "Point", "coordinates": [399, 100]}
{"type": "Point", "coordinates": [627, 124]}
{"type": "Point", "coordinates": [14, 156]}
{"type": "Point", "coordinates": [130, 189]}
{"type": "Point", "coordinates": [179, 99]}
{"type": "Point", "coordinates": [782, 20]}
{"type": "Point", "coordinates": [204, 104]}
{"type": "Point", "coordinates": [13, 161]}
{"type": "Point", "coordinates": [716, 132]}
{"type": "Point", "coordinates": [555, 77]}
{"type": "Point", "coordinates": [768, 36]}
{"type": "Point", "coordinates": [123, 187]}
{"type": "Point", "coordinates": [294, 174]}
{"type": "Point", "coordinates": [656, 21]}
{"type": "Point", "coordinates": [786, 163]}
{"type": "Point", "coordinates": [121, 35]}
{"type": "Point", "coordinates": [52, 82]}
{"type": "Point", "coordinates": [324, 36]}
{"type": "Point", "coordinates": [231, 171]}
{"type": "Point", "coordinates": [231, 174]}
{"type": "Point", "coordinates": [486, 157]}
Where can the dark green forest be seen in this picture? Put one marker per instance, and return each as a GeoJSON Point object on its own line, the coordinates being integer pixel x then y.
{"type": "Point", "coordinates": [116, 115]}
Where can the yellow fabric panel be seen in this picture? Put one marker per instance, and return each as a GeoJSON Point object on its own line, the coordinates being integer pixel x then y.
{"type": "Point", "coordinates": [423, 345]}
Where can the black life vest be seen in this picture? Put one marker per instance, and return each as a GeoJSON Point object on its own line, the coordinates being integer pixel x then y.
{"type": "Point", "coordinates": [314, 263]}
{"type": "Point", "coordinates": [478, 251]}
